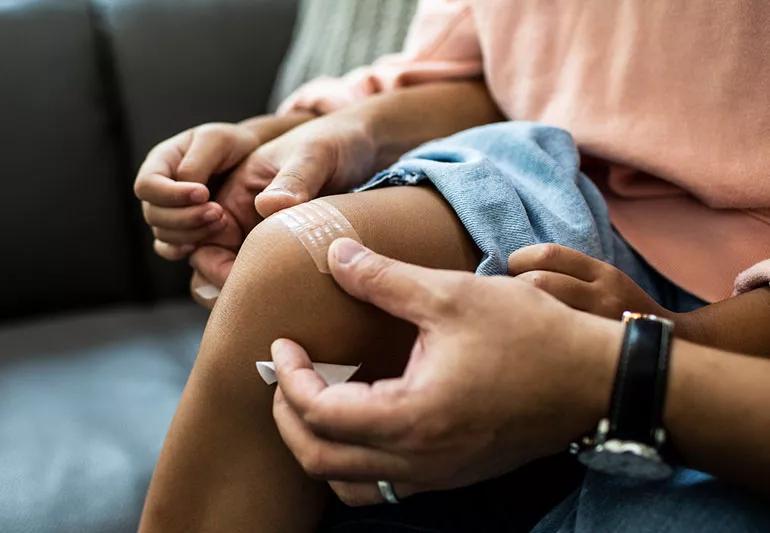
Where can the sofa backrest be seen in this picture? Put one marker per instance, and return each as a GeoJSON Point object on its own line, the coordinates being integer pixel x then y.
{"type": "Point", "coordinates": [87, 87]}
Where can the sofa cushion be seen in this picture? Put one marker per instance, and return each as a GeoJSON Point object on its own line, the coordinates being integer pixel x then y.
{"type": "Point", "coordinates": [85, 402]}
{"type": "Point", "coordinates": [63, 206]}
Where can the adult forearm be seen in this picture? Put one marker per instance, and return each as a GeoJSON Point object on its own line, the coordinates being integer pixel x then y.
{"type": "Point", "coordinates": [715, 412]}
{"type": "Point", "coordinates": [739, 324]}
{"type": "Point", "coordinates": [401, 120]}
{"type": "Point", "coordinates": [268, 127]}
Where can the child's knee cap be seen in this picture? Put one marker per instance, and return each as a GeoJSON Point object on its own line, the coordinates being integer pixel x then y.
{"type": "Point", "coordinates": [316, 225]}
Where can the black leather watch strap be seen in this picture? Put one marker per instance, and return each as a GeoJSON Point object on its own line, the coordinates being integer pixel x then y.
{"type": "Point", "coordinates": [639, 394]}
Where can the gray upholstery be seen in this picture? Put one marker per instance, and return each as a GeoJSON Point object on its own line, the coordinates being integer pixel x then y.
{"type": "Point", "coordinates": [84, 405]}
{"type": "Point", "coordinates": [87, 87]}
{"type": "Point", "coordinates": [63, 217]}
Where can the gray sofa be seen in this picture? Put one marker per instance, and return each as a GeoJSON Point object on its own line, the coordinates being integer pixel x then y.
{"type": "Point", "coordinates": [96, 334]}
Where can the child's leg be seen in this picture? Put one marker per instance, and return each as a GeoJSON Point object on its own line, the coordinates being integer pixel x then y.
{"type": "Point", "coordinates": [223, 466]}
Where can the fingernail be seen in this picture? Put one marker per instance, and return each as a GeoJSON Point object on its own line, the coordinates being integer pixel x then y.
{"type": "Point", "coordinates": [199, 195]}
{"type": "Point", "coordinates": [278, 350]}
{"type": "Point", "coordinates": [347, 251]}
{"type": "Point", "coordinates": [212, 214]}
{"type": "Point", "coordinates": [280, 191]}
{"type": "Point", "coordinates": [207, 292]}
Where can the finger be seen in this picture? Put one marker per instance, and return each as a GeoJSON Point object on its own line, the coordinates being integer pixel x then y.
{"type": "Point", "coordinates": [324, 459]}
{"type": "Point", "coordinates": [214, 263]}
{"type": "Point", "coordinates": [406, 291]}
{"type": "Point", "coordinates": [193, 236]}
{"type": "Point", "coordinates": [203, 291]}
{"type": "Point", "coordinates": [163, 191]}
{"type": "Point", "coordinates": [172, 252]}
{"type": "Point", "coordinates": [356, 413]}
{"type": "Point", "coordinates": [554, 258]}
{"type": "Point", "coordinates": [155, 181]}
{"type": "Point", "coordinates": [208, 154]}
{"type": "Point", "coordinates": [357, 494]}
{"type": "Point", "coordinates": [574, 292]}
{"type": "Point", "coordinates": [182, 218]}
{"type": "Point", "coordinates": [298, 181]}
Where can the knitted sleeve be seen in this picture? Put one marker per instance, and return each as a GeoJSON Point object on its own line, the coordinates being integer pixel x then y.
{"type": "Point", "coordinates": [441, 44]}
{"type": "Point", "coordinates": [332, 37]}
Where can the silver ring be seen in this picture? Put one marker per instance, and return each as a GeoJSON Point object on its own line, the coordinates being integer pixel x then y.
{"type": "Point", "coordinates": [386, 489]}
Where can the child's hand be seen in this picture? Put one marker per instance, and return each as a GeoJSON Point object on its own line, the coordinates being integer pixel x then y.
{"type": "Point", "coordinates": [172, 184]}
{"type": "Point", "coordinates": [581, 281]}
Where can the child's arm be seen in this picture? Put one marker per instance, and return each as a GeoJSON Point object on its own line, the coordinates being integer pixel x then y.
{"type": "Point", "coordinates": [172, 183]}
{"type": "Point", "coordinates": [740, 324]}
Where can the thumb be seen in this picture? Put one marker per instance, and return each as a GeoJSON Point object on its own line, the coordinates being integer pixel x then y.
{"type": "Point", "coordinates": [406, 291]}
{"type": "Point", "coordinates": [298, 181]}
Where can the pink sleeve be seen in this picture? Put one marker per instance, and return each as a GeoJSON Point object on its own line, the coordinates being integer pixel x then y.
{"type": "Point", "coordinates": [441, 45]}
{"type": "Point", "coordinates": [753, 278]}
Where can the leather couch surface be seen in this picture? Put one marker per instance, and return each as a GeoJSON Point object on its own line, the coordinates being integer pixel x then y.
{"type": "Point", "coordinates": [86, 89]}
{"type": "Point", "coordinates": [85, 402]}
{"type": "Point", "coordinates": [63, 223]}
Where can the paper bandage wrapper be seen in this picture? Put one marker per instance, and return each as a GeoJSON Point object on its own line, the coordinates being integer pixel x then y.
{"type": "Point", "coordinates": [332, 374]}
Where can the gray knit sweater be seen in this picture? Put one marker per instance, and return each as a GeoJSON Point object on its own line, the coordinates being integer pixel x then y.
{"type": "Point", "coordinates": [332, 37]}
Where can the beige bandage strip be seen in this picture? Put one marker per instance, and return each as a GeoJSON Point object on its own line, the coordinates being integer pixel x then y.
{"type": "Point", "coordinates": [316, 225]}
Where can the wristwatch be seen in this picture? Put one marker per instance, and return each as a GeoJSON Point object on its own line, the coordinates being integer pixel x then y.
{"type": "Point", "coordinates": [631, 440]}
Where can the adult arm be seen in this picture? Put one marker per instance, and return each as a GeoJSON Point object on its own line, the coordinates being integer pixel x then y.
{"type": "Point", "coordinates": [545, 380]}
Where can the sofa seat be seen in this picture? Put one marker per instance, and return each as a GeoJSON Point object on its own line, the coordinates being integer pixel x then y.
{"type": "Point", "coordinates": [85, 402]}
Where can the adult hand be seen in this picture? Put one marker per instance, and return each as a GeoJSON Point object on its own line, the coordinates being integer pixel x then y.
{"type": "Point", "coordinates": [581, 281]}
{"type": "Point", "coordinates": [501, 373]}
{"type": "Point", "coordinates": [327, 155]}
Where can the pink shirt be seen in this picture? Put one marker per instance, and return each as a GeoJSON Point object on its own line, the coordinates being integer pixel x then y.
{"type": "Point", "coordinates": [670, 97]}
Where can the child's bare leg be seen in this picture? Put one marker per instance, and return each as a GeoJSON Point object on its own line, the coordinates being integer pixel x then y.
{"type": "Point", "coordinates": [223, 466]}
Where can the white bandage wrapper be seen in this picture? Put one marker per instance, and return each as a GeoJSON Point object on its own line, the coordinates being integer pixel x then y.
{"type": "Point", "coordinates": [317, 225]}
{"type": "Point", "coordinates": [332, 374]}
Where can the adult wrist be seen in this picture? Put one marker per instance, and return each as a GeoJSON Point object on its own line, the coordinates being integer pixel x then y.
{"type": "Point", "coordinates": [598, 342]}
{"type": "Point", "coordinates": [265, 128]}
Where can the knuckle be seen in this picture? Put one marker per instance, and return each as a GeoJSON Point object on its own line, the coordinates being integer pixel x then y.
{"type": "Point", "coordinates": [538, 280]}
{"type": "Point", "coordinates": [140, 187]}
{"type": "Point", "coordinates": [313, 462]}
{"type": "Point", "coordinates": [609, 305]}
{"type": "Point", "coordinates": [213, 129]}
{"type": "Point", "coordinates": [547, 253]}
{"type": "Point", "coordinates": [445, 299]}
{"type": "Point", "coordinates": [373, 270]}
{"type": "Point", "coordinates": [292, 175]}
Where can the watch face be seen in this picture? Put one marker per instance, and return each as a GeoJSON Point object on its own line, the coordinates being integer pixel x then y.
{"type": "Point", "coordinates": [633, 459]}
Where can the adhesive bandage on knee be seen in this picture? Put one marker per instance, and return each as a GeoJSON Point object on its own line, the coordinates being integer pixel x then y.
{"type": "Point", "coordinates": [316, 225]}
